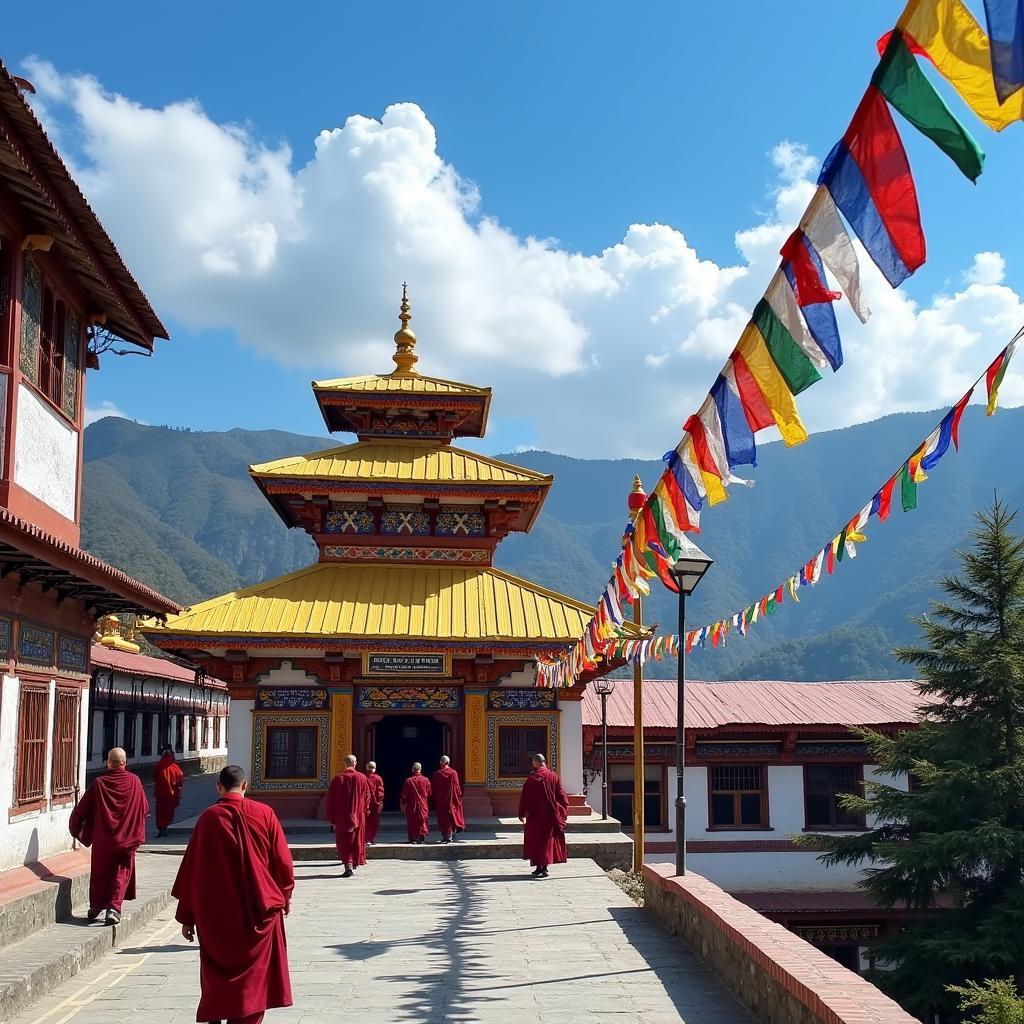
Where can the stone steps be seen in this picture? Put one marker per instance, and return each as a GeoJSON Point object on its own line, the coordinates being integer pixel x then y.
{"type": "Point", "coordinates": [47, 957]}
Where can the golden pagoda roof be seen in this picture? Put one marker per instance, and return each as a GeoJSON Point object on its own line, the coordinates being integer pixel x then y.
{"type": "Point", "coordinates": [335, 600]}
{"type": "Point", "coordinates": [388, 461]}
{"type": "Point", "coordinates": [400, 384]}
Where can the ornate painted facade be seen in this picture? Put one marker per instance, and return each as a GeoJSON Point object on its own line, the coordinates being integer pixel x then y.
{"type": "Point", "coordinates": [407, 639]}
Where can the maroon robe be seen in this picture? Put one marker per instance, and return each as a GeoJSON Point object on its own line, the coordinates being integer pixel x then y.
{"type": "Point", "coordinates": [545, 807]}
{"type": "Point", "coordinates": [168, 780]}
{"type": "Point", "coordinates": [376, 784]}
{"type": "Point", "coordinates": [346, 811]}
{"type": "Point", "coordinates": [111, 818]}
{"type": "Point", "coordinates": [233, 884]}
{"type": "Point", "coordinates": [415, 801]}
{"type": "Point", "coordinates": [447, 800]}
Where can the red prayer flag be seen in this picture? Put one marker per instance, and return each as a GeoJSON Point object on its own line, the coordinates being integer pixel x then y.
{"type": "Point", "coordinates": [885, 499]}
{"type": "Point", "coordinates": [680, 508]}
{"type": "Point", "coordinates": [755, 407]}
{"type": "Point", "coordinates": [958, 412]}
{"type": "Point", "coordinates": [809, 288]}
{"type": "Point", "coordinates": [705, 460]}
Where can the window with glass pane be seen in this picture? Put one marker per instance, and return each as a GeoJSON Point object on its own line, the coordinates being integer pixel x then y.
{"type": "Point", "coordinates": [823, 785]}
{"type": "Point", "coordinates": [620, 795]}
{"type": "Point", "coordinates": [64, 771]}
{"type": "Point", "coordinates": [516, 746]}
{"type": "Point", "coordinates": [738, 798]}
{"type": "Point", "coordinates": [291, 752]}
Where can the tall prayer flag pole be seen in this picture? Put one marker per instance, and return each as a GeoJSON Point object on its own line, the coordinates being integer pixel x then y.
{"type": "Point", "coordinates": [636, 504]}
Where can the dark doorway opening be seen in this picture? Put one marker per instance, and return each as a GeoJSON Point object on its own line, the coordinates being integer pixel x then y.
{"type": "Point", "coordinates": [398, 740]}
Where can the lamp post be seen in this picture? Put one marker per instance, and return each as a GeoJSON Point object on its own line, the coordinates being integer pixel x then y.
{"type": "Point", "coordinates": [604, 688]}
{"type": "Point", "coordinates": [689, 569]}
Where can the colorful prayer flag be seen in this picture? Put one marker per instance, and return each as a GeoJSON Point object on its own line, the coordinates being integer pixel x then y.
{"type": "Point", "coordinates": [740, 447]}
{"type": "Point", "coordinates": [808, 286]}
{"type": "Point", "coordinates": [908, 488]}
{"type": "Point", "coordinates": [755, 355]}
{"type": "Point", "coordinates": [782, 300]}
{"type": "Point", "coordinates": [903, 84]}
{"type": "Point", "coordinates": [869, 178]}
{"type": "Point", "coordinates": [1005, 20]}
{"type": "Point", "coordinates": [997, 371]}
{"type": "Point", "coordinates": [755, 405]}
{"type": "Point", "coordinates": [819, 316]}
{"type": "Point", "coordinates": [705, 461]}
{"type": "Point", "coordinates": [793, 362]}
{"type": "Point", "coordinates": [955, 43]}
{"type": "Point", "coordinates": [825, 231]}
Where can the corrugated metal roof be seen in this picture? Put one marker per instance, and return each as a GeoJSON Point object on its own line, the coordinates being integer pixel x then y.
{"type": "Point", "coordinates": [762, 703]}
{"type": "Point", "coordinates": [387, 461]}
{"type": "Point", "coordinates": [332, 599]}
{"type": "Point", "coordinates": [144, 665]}
{"type": "Point", "coordinates": [410, 384]}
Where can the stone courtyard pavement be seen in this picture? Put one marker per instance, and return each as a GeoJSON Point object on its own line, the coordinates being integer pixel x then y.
{"type": "Point", "coordinates": [431, 941]}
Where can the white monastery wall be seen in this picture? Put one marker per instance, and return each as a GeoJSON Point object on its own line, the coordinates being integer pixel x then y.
{"type": "Point", "coordinates": [240, 734]}
{"type": "Point", "coordinates": [46, 454]}
{"type": "Point", "coordinates": [570, 745]}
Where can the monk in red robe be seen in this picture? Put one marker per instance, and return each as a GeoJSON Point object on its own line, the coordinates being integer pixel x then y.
{"type": "Point", "coordinates": [234, 887]}
{"type": "Point", "coordinates": [347, 799]}
{"type": "Point", "coordinates": [376, 784]}
{"type": "Point", "coordinates": [448, 800]}
{"type": "Point", "coordinates": [111, 818]}
{"type": "Point", "coordinates": [544, 807]}
{"type": "Point", "coordinates": [168, 782]}
{"type": "Point", "coordinates": [415, 802]}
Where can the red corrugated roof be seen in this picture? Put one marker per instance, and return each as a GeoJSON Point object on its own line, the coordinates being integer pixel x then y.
{"type": "Point", "coordinates": [762, 703]}
{"type": "Point", "coordinates": [144, 665]}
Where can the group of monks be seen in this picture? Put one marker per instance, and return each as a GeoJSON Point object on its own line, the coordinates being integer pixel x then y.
{"type": "Point", "coordinates": [355, 801]}
{"type": "Point", "coordinates": [235, 882]}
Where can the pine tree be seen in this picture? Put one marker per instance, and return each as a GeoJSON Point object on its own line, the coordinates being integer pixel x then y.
{"type": "Point", "coordinates": [953, 846]}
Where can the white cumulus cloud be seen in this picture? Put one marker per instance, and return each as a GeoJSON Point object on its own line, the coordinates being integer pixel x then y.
{"type": "Point", "coordinates": [301, 254]}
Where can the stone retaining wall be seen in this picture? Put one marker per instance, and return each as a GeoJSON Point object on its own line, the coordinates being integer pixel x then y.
{"type": "Point", "coordinates": [780, 977]}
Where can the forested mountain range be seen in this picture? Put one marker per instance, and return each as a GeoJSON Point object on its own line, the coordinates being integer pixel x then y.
{"type": "Point", "coordinates": [176, 509]}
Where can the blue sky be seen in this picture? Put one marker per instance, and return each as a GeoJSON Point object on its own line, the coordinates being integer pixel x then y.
{"type": "Point", "coordinates": [566, 121]}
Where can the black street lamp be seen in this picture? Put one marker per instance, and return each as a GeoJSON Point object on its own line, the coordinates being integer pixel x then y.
{"type": "Point", "coordinates": [688, 571]}
{"type": "Point", "coordinates": [604, 688]}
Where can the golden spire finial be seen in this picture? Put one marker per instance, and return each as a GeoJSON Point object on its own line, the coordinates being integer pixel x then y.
{"type": "Point", "coordinates": [405, 338]}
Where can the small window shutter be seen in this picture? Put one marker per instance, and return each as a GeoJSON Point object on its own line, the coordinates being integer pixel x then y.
{"type": "Point", "coordinates": [31, 314]}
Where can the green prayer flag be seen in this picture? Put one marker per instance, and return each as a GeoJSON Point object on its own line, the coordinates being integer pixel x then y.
{"type": "Point", "coordinates": [908, 489]}
{"type": "Point", "coordinates": [841, 547]}
{"type": "Point", "coordinates": [793, 362]}
{"type": "Point", "coordinates": [899, 79]}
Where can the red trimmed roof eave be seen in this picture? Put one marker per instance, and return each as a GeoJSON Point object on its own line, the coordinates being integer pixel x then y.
{"type": "Point", "coordinates": [59, 195]}
{"type": "Point", "coordinates": [27, 538]}
{"type": "Point", "coordinates": [144, 665]}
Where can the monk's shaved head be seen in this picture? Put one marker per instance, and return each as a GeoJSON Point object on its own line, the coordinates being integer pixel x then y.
{"type": "Point", "coordinates": [371, 764]}
{"type": "Point", "coordinates": [231, 778]}
{"type": "Point", "coordinates": [116, 756]}
{"type": "Point", "coordinates": [538, 759]}
{"type": "Point", "coordinates": [416, 766]}
{"type": "Point", "coordinates": [445, 759]}
{"type": "Point", "coordinates": [350, 760]}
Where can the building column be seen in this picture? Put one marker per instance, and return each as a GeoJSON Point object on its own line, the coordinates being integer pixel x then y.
{"type": "Point", "coordinates": [475, 801]}
{"type": "Point", "coordinates": [341, 728]}
{"type": "Point", "coordinates": [570, 752]}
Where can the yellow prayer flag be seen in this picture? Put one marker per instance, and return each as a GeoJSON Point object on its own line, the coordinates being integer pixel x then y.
{"type": "Point", "coordinates": [713, 486]}
{"type": "Point", "coordinates": [959, 48]}
{"type": "Point", "coordinates": [776, 393]}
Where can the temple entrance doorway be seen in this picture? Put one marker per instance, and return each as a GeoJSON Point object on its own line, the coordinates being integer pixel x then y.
{"type": "Point", "coordinates": [398, 740]}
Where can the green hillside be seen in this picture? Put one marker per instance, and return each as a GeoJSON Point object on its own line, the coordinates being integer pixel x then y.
{"type": "Point", "coordinates": [178, 510]}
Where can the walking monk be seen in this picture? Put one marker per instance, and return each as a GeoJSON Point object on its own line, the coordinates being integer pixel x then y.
{"type": "Point", "coordinates": [545, 809]}
{"type": "Point", "coordinates": [234, 887]}
{"type": "Point", "coordinates": [448, 800]}
{"type": "Point", "coordinates": [168, 782]}
{"type": "Point", "coordinates": [111, 818]}
{"type": "Point", "coordinates": [415, 801]}
{"type": "Point", "coordinates": [376, 784]}
{"type": "Point", "coordinates": [347, 798]}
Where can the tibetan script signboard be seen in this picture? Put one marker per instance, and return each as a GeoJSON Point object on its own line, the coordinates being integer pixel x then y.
{"type": "Point", "coordinates": [530, 699]}
{"type": "Point", "coordinates": [408, 698]}
{"type": "Point", "coordinates": [383, 663]}
{"type": "Point", "coordinates": [291, 698]}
